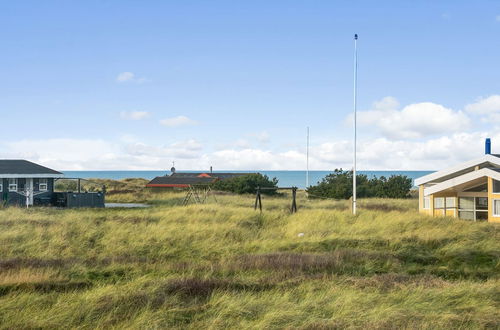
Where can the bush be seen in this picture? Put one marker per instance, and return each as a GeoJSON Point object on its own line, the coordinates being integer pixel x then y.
{"type": "Point", "coordinates": [247, 184]}
{"type": "Point", "coordinates": [339, 185]}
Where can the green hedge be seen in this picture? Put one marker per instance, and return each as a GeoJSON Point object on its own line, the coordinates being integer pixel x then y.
{"type": "Point", "coordinates": [247, 184]}
{"type": "Point", "coordinates": [339, 185]}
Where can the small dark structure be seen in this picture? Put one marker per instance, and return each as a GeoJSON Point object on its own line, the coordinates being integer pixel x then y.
{"type": "Point", "coordinates": [188, 179]}
{"type": "Point", "coordinates": [23, 183]}
{"type": "Point", "coordinates": [258, 197]}
{"type": "Point", "coordinates": [75, 199]}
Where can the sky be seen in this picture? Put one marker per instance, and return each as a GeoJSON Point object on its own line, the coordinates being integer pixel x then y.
{"type": "Point", "coordinates": [136, 85]}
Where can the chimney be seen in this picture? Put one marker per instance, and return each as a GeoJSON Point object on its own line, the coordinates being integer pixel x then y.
{"type": "Point", "coordinates": [487, 146]}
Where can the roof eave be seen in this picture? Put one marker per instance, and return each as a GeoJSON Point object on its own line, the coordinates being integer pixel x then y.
{"type": "Point", "coordinates": [448, 184]}
{"type": "Point", "coordinates": [32, 176]}
{"type": "Point", "coordinates": [439, 174]}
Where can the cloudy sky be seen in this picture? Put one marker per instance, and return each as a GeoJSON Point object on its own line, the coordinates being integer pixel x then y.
{"type": "Point", "coordinates": [91, 85]}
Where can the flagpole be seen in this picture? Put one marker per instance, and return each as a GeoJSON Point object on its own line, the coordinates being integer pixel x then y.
{"type": "Point", "coordinates": [355, 120]}
{"type": "Point", "coordinates": [307, 159]}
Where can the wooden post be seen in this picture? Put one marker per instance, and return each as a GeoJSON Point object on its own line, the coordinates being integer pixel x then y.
{"type": "Point", "coordinates": [294, 200]}
{"type": "Point", "coordinates": [258, 200]}
{"type": "Point", "coordinates": [79, 186]}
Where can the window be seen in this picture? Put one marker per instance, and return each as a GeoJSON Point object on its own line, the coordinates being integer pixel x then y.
{"type": "Point", "coordinates": [12, 184]}
{"type": "Point", "coordinates": [438, 202]}
{"type": "Point", "coordinates": [482, 203]}
{"type": "Point", "coordinates": [481, 188]}
{"type": "Point", "coordinates": [466, 208]}
{"type": "Point", "coordinates": [450, 202]}
{"type": "Point", "coordinates": [427, 203]}
{"type": "Point", "coordinates": [466, 203]}
{"type": "Point", "coordinates": [496, 207]}
{"type": "Point", "coordinates": [466, 215]}
{"type": "Point", "coordinates": [1, 186]}
{"type": "Point", "coordinates": [473, 208]}
{"type": "Point", "coordinates": [43, 185]}
{"type": "Point", "coordinates": [496, 186]}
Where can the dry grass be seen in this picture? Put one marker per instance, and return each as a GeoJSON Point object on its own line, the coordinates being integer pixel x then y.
{"type": "Point", "coordinates": [223, 265]}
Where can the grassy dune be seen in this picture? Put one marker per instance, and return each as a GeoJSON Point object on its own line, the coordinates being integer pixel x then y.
{"type": "Point", "coordinates": [223, 265]}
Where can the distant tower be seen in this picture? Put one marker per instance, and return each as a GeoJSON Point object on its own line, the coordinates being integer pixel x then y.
{"type": "Point", "coordinates": [173, 168]}
{"type": "Point", "coordinates": [210, 169]}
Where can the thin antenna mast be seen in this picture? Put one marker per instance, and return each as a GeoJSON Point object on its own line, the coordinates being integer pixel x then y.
{"type": "Point", "coordinates": [355, 119]}
{"type": "Point", "coordinates": [307, 159]}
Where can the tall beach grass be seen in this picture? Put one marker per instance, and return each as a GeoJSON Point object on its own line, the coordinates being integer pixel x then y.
{"type": "Point", "coordinates": [224, 265]}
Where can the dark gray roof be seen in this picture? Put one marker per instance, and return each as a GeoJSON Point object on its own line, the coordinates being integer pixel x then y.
{"type": "Point", "coordinates": [19, 166]}
{"type": "Point", "coordinates": [180, 180]}
{"type": "Point", "coordinates": [192, 178]}
{"type": "Point", "coordinates": [212, 175]}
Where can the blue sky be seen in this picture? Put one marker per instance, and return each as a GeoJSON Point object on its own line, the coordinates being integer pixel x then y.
{"type": "Point", "coordinates": [233, 84]}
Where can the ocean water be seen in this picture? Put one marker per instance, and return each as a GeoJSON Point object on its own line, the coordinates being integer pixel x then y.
{"type": "Point", "coordinates": [285, 178]}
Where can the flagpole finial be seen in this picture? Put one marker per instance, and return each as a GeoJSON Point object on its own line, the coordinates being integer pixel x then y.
{"type": "Point", "coordinates": [356, 36]}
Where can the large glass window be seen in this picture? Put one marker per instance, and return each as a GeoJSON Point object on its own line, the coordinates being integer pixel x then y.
{"type": "Point", "coordinates": [496, 186]}
{"type": "Point", "coordinates": [473, 208]}
{"type": "Point", "coordinates": [496, 207]}
{"type": "Point", "coordinates": [481, 188]}
{"type": "Point", "coordinates": [466, 203]}
{"type": "Point", "coordinates": [12, 184]}
{"type": "Point", "coordinates": [481, 203]}
{"type": "Point", "coordinates": [466, 215]}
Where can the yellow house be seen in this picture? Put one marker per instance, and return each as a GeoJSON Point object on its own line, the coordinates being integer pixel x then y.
{"type": "Point", "coordinates": [468, 191]}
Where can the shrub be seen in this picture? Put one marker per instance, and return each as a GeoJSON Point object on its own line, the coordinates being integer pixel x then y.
{"type": "Point", "coordinates": [247, 184]}
{"type": "Point", "coordinates": [339, 185]}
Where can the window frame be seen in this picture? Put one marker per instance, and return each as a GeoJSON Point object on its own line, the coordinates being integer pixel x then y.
{"type": "Point", "coordinates": [493, 186]}
{"type": "Point", "coordinates": [46, 184]}
{"type": "Point", "coordinates": [496, 215]}
{"type": "Point", "coordinates": [13, 184]}
{"type": "Point", "coordinates": [475, 210]}
{"type": "Point", "coordinates": [428, 199]}
{"type": "Point", "coordinates": [440, 199]}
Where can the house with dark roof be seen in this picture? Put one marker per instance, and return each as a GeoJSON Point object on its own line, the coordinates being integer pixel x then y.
{"type": "Point", "coordinates": [470, 190]}
{"type": "Point", "coordinates": [187, 179]}
{"type": "Point", "coordinates": [24, 183]}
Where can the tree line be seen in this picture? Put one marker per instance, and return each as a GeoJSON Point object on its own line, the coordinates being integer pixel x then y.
{"type": "Point", "coordinates": [336, 185]}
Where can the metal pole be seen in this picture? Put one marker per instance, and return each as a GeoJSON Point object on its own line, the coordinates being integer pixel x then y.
{"type": "Point", "coordinates": [355, 120]}
{"type": "Point", "coordinates": [307, 159]}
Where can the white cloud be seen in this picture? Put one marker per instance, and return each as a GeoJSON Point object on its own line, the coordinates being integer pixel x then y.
{"type": "Point", "coordinates": [421, 136]}
{"type": "Point", "coordinates": [189, 149]}
{"type": "Point", "coordinates": [190, 144]}
{"type": "Point", "coordinates": [414, 121]}
{"type": "Point", "coordinates": [129, 77]}
{"type": "Point", "coordinates": [386, 103]}
{"type": "Point", "coordinates": [63, 153]}
{"type": "Point", "coordinates": [177, 121]}
{"type": "Point", "coordinates": [488, 107]}
{"type": "Point", "coordinates": [498, 18]}
{"type": "Point", "coordinates": [130, 154]}
{"type": "Point", "coordinates": [134, 115]}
